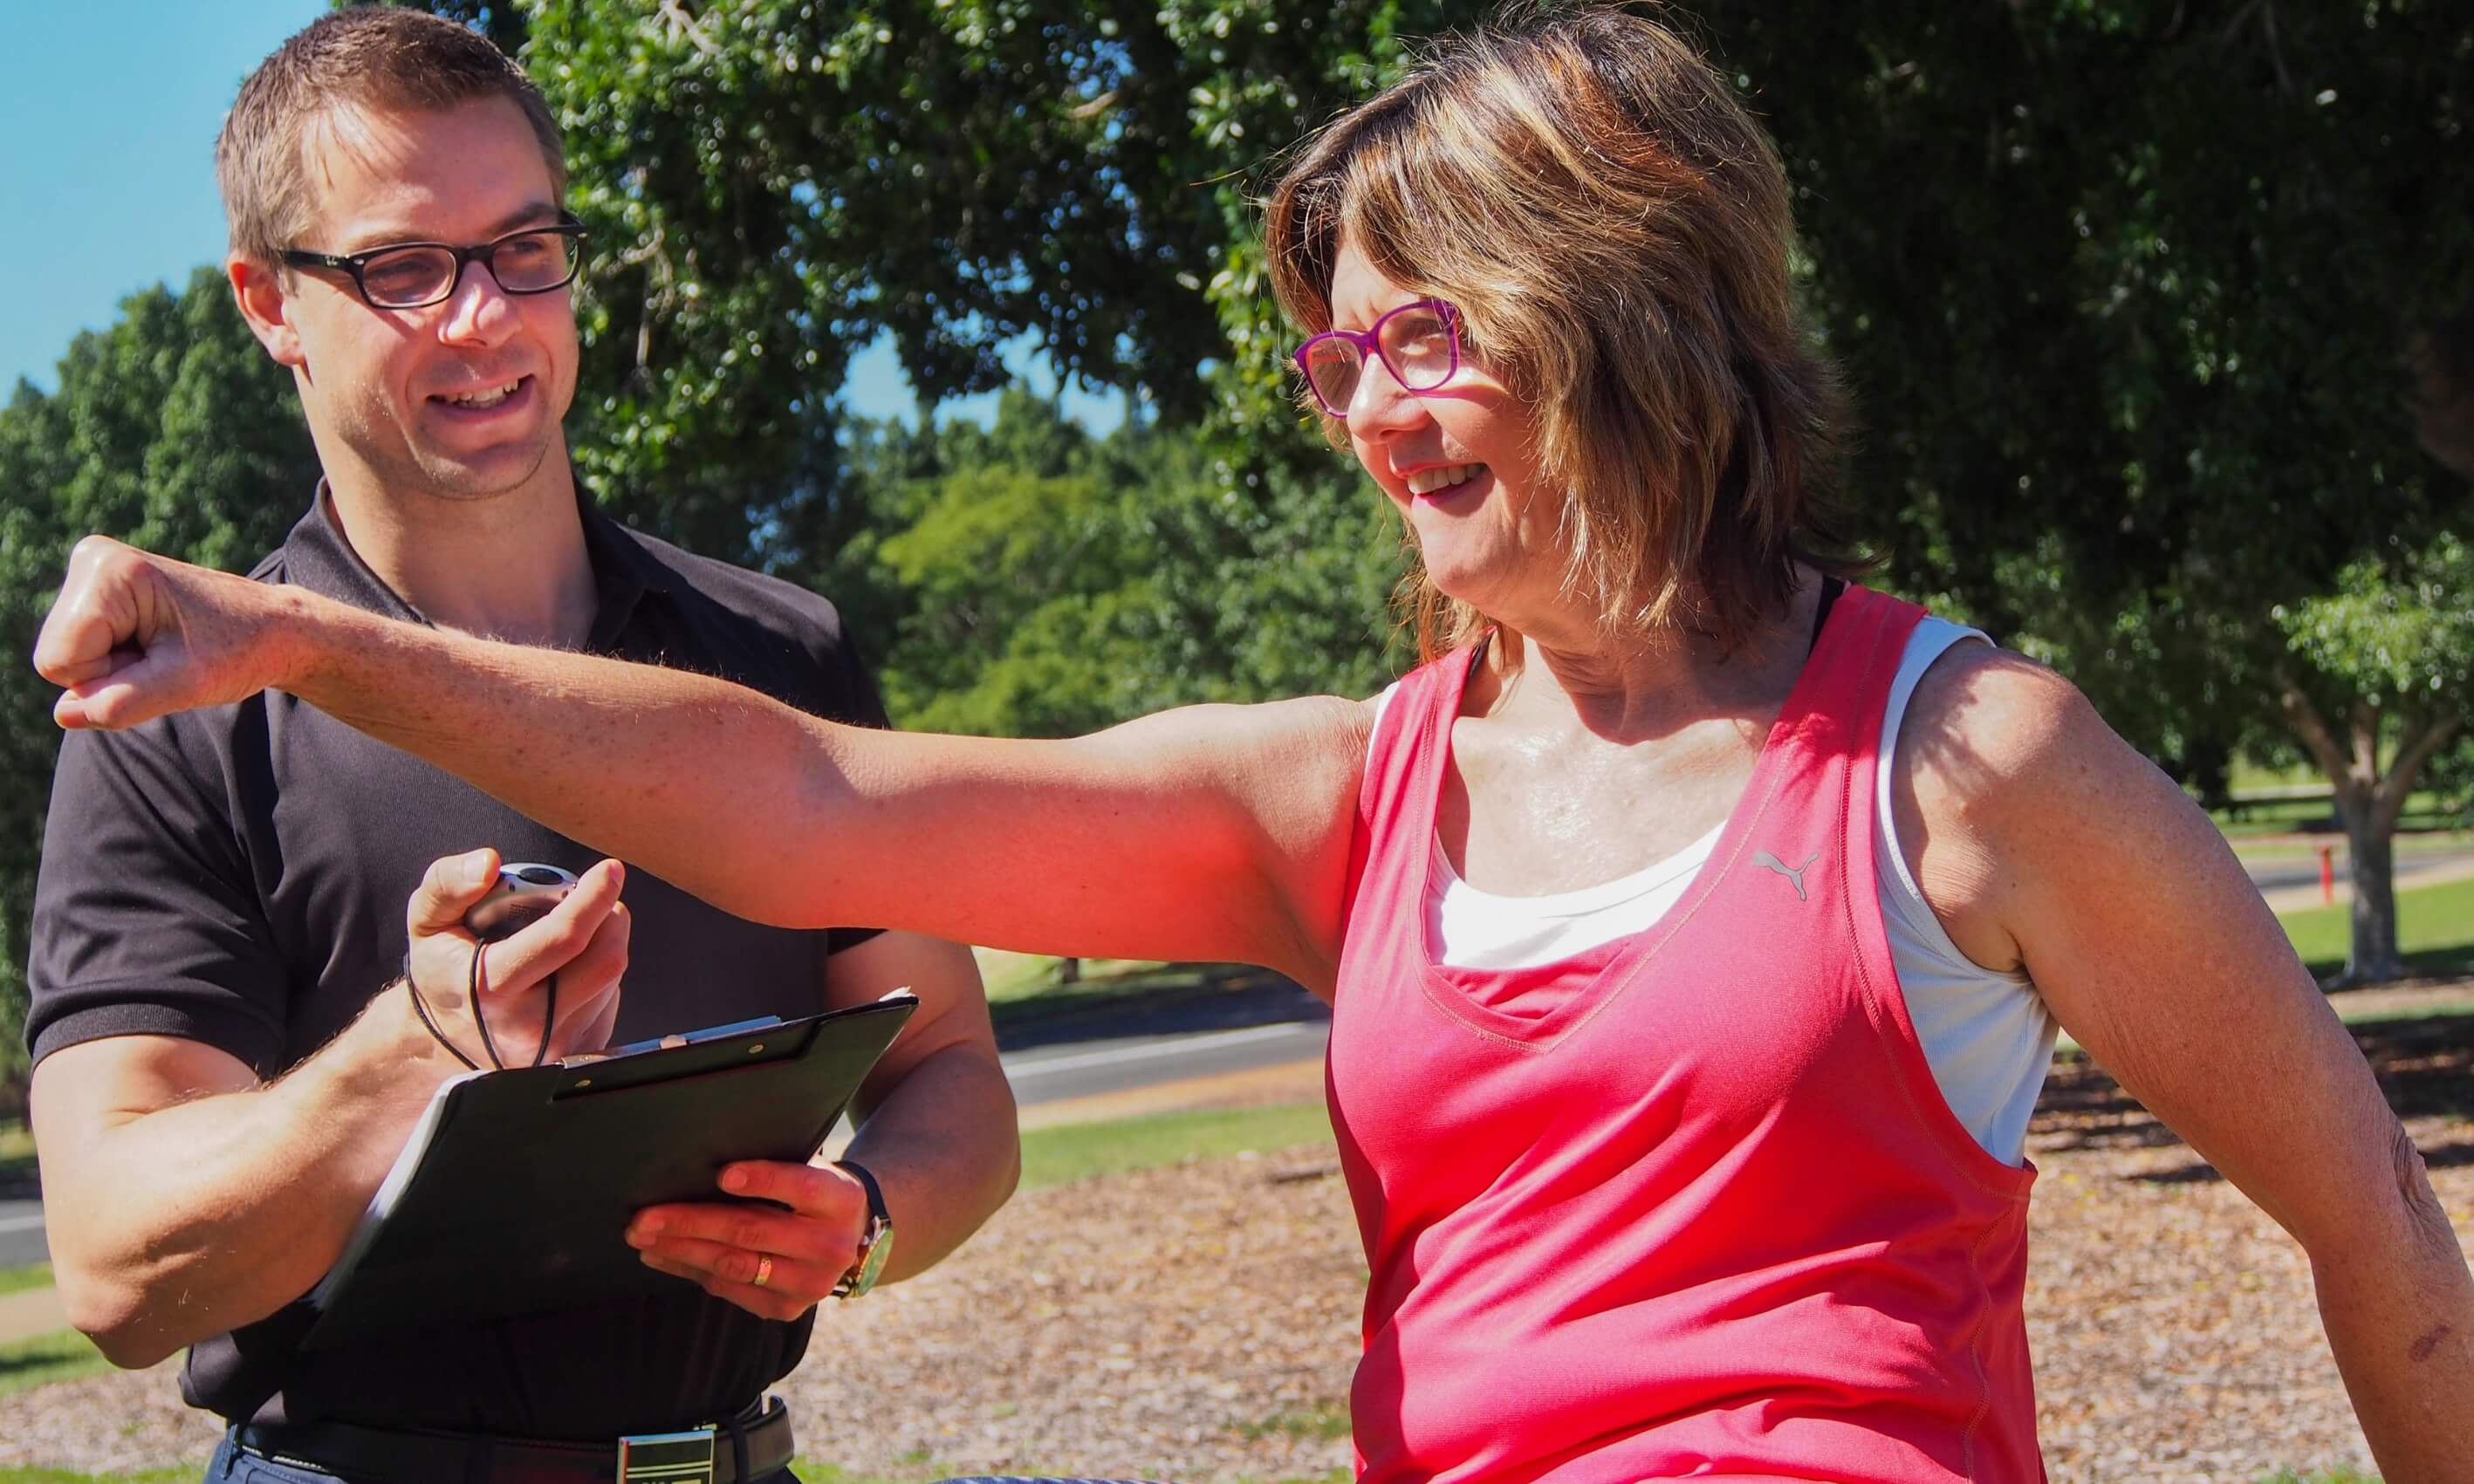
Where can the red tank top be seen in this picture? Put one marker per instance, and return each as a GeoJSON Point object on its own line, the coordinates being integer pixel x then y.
{"type": "Point", "coordinates": [1691, 1205]}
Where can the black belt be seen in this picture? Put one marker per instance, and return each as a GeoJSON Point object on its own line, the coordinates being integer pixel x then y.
{"type": "Point", "coordinates": [750, 1446]}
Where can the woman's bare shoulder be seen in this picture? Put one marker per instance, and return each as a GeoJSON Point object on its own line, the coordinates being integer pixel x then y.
{"type": "Point", "coordinates": [1990, 728]}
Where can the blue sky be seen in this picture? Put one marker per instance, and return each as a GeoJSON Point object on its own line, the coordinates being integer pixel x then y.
{"type": "Point", "coordinates": [109, 108]}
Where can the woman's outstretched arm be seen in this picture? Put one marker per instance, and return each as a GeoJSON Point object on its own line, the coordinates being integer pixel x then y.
{"type": "Point", "coordinates": [1212, 832]}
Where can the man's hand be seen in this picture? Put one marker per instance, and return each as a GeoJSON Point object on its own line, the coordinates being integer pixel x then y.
{"type": "Point", "coordinates": [583, 941]}
{"type": "Point", "coordinates": [133, 636]}
{"type": "Point", "coordinates": [800, 1253]}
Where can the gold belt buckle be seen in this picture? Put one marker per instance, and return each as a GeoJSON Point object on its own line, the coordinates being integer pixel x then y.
{"type": "Point", "coordinates": [668, 1457]}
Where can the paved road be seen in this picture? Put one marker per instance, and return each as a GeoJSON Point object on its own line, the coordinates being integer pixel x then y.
{"type": "Point", "coordinates": [2284, 873]}
{"type": "Point", "coordinates": [21, 1234]}
{"type": "Point", "coordinates": [1050, 1074]}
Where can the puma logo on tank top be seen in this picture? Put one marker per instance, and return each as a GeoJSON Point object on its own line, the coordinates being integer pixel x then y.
{"type": "Point", "coordinates": [1794, 873]}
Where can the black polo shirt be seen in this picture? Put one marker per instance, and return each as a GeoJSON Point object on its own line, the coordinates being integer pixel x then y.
{"type": "Point", "coordinates": [238, 875]}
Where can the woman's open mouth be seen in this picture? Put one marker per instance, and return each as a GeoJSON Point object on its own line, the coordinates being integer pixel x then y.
{"type": "Point", "coordinates": [1440, 481]}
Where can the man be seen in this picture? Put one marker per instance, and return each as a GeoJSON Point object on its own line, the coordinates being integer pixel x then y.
{"type": "Point", "coordinates": [228, 1057]}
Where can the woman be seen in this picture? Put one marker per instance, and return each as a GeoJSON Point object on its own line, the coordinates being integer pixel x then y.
{"type": "Point", "coordinates": [1695, 925]}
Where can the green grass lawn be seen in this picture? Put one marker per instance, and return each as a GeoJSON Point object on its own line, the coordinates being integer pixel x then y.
{"type": "Point", "coordinates": [1013, 976]}
{"type": "Point", "coordinates": [2435, 930]}
{"type": "Point", "coordinates": [187, 1473]}
{"type": "Point", "coordinates": [2286, 848]}
{"type": "Point", "coordinates": [1082, 1151]}
{"type": "Point", "coordinates": [60, 1355]}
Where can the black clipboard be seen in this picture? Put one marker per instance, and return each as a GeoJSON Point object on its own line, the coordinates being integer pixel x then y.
{"type": "Point", "coordinates": [518, 1199]}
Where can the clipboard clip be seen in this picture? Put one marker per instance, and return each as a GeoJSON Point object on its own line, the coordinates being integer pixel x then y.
{"type": "Point", "coordinates": [667, 1457]}
{"type": "Point", "coordinates": [671, 1041]}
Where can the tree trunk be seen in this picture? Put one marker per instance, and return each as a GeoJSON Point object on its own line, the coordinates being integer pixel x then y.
{"type": "Point", "coordinates": [1069, 970]}
{"type": "Point", "coordinates": [2369, 804]}
{"type": "Point", "coordinates": [2373, 957]}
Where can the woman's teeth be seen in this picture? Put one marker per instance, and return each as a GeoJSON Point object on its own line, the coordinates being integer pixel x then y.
{"type": "Point", "coordinates": [490, 398]}
{"type": "Point", "coordinates": [1426, 481]}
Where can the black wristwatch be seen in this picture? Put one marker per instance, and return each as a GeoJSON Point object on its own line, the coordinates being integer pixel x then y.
{"type": "Point", "coordinates": [874, 1240]}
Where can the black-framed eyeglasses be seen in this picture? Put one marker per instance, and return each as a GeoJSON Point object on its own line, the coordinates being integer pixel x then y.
{"type": "Point", "coordinates": [415, 275]}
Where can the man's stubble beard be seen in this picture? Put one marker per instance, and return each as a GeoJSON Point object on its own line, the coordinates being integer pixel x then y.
{"type": "Point", "coordinates": [403, 468]}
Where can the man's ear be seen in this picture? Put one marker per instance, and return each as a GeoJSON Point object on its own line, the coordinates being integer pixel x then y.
{"type": "Point", "coordinates": [258, 291]}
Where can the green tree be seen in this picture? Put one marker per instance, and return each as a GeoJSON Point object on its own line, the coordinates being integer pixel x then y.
{"type": "Point", "coordinates": [2128, 291]}
{"type": "Point", "coordinates": [773, 183]}
{"type": "Point", "coordinates": [2381, 686]}
{"type": "Point", "coordinates": [170, 428]}
{"type": "Point", "coordinates": [1042, 582]}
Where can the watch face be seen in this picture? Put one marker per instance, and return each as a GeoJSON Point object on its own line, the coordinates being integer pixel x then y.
{"type": "Point", "coordinates": [870, 1265]}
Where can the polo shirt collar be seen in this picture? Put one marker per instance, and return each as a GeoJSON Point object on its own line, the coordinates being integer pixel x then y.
{"type": "Point", "coordinates": [318, 557]}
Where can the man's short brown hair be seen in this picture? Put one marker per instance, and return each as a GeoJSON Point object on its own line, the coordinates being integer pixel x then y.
{"type": "Point", "coordinates": [1613, 226]}
{"type": "Point", "coordinates": [368, 56]}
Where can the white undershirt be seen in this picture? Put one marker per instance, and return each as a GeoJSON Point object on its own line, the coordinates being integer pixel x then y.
{"type": "Point", "coordinates": [1986, 1035]}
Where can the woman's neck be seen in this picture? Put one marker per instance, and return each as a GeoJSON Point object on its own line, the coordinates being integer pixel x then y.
{"type": "Point", "coordinates": [1632, 685]}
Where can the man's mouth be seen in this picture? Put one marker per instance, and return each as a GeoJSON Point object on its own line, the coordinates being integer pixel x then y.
{"type": "Point", "coordinates": [480, 399]}
{"type": "Point", "coordinates": [1426, 481]}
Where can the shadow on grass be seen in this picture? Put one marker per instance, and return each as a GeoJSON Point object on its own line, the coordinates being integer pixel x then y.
{"type": "Point", "coordinates": [1166, 1000]}
{"type": "Point", "coordinates": [2425, 1066]}
{"type": "Point", "coordinates": [61, 1356]}
{"type": "Point", "coordinates": [2450, 963]}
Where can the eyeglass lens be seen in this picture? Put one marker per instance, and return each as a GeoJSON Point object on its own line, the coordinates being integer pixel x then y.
{"type": "Point", "coordinates": [526, 263]}
{"type": "Point", "coordinates": [1415, 342]}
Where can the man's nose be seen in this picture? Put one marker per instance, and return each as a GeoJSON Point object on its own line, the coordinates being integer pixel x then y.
{"type": "Point", "coordinates": [478, 312]}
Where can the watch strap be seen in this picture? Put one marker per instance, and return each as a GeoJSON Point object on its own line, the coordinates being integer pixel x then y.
{"type": "Point", "coordinates": [873, 1237]}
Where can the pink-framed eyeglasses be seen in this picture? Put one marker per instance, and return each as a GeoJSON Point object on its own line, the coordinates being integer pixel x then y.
{"type": "Point", "coordinates": [1420, 343]}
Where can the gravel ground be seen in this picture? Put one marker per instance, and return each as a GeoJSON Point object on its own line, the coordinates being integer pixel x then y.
{"type": "Point", "coordinates": [1199, 1323]}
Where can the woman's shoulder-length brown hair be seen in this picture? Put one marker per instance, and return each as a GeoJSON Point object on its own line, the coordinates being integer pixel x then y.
{"type": "Point", "coordinates": [1613, 226]}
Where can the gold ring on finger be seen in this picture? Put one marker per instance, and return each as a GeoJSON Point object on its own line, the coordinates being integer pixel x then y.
{"type": "Point", "coordinates": [763, 1269]}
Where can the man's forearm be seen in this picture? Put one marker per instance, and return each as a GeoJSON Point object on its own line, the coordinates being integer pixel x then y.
{"type": "Point", "coordinates": [943, 1146]}
{"type": "Point", "coordinates": [189, 1220]}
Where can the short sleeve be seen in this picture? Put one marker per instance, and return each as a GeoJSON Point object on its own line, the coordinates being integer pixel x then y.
{"type": "Point", "coordinates": [146, 919]}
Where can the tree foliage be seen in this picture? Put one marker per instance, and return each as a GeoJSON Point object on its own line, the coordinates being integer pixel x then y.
{"type": "Point", "coordinates": [772, 183]}
{"type": "Point", "coordinates": [2126, 287]}
{"type": "Point", "coordinates": [2131, 293]}
{"type": "Point", "coordinates": [171, 427]}
{"type": "Point", "coordinates": [1036, 581]}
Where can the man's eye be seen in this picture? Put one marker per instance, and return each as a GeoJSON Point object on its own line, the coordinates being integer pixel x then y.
{"type": "Point", "coordinates": [398, 274]}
